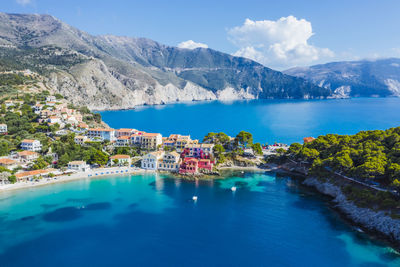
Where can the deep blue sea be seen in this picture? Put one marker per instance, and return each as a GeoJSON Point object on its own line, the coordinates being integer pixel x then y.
{"type": "Point", "coordinates": [151, 220]}
{"type": "Point", "coordinates": [269, 121]}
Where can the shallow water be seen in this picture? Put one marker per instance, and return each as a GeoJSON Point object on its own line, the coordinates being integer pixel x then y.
{"type": "Point", "coordinates": [285, 121]}
{"type": "Point", "coordinates": [152, 220]}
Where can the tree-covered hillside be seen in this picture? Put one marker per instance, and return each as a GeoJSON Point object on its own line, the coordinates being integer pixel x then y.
{"type": "Point", "coordinates": [367, 155]}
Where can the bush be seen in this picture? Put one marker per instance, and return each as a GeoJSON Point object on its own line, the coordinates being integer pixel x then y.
{"type": "Point", "coordinates": [12, 179]}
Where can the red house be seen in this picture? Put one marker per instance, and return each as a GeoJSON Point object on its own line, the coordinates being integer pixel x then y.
{"type": "Point", "coordinates": [206, 164]}
{"type": "Point", "coordinates": [188, 166]}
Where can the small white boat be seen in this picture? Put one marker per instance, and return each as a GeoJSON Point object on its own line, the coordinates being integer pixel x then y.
{"type": "Point", "coordinates": [242, 172]}
{"type": "Point", "coordinates": [194, 198]}
{"type": "Point", "coordinates": [233, 188]}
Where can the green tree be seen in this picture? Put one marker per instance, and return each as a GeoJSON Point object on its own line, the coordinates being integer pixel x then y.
{"type": "Point", "coordinates": [244, 139]}
{"type": "Point", "coordinates": [4, 148]}
{"type": "Point", "coordinates": [257, 149]}
{"type": "Point", "coordinates": [99, 157]}
{"type": "Point", "coordinates": [97, 117]}
{"type": "Point", "coordinates": [295, 148]}
{"type": "Point", "coordinates": [40, 163]}
{"type": "Point", "coordinates": [12, 179]}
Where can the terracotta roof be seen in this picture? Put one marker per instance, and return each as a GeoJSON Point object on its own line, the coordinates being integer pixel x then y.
{"type": "Point", "coordinates": [151, 134]}
{"type": "Point", "coordinates": [32, 173]}
{"type": "Point", "coordinates": [3, 124]}
{"type": "Point", "coordinates": [125, 130]}
{"type": "Point", "coordinates": [308, 139]}
{"type": "Point", "coordinates": [123, 138]}
{"type": "Point", "coordinates": [7, 161]}
{"type": "Point", "coordinates": [27, 153]}
{"type": "Point", "coordinates": [120, 157]}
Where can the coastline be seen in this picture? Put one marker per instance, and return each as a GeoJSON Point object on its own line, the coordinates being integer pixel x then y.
{"type": "Point", "coordinates": [375, 223]}
{"type": "Point", "coordinates": [116, 171]}
{"type": "Point", "coordinates": [72, 177]}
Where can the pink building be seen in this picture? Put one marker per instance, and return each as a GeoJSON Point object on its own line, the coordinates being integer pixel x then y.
{"type": "Point", "coordinates": [188, 166]}
{"type": "Point", "coordinates": [205, 164]}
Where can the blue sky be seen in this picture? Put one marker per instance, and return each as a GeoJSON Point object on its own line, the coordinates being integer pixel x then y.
{"type": "Point", "coordinates": [279, 34]}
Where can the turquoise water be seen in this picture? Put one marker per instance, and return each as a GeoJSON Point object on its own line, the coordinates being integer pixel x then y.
{"type": "Point", "coordinates": [151, 220]}
{"type": "Point", "coordinates": [270, 121]}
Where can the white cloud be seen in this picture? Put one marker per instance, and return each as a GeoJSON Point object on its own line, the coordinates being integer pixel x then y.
{"type": "Point", "coordinates": [190, 44]}
{"type": "Point", "coordinates": [23, 2]}
{"type": "Point", "coordinates": [282, 43]}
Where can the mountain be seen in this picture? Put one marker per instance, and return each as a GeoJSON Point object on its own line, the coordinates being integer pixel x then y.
{"type": "Point", "coordinates": [111, 72]}
{"type": "Point", "coordinates": [355, 78]}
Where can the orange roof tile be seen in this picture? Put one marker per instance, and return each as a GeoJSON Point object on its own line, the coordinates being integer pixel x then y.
{"type": "Point", "coordinates": [7, 161]}
{"type": "Point", "coordinates": [120, 157]}
{"type": "Point", "coordinates": [27, 153]}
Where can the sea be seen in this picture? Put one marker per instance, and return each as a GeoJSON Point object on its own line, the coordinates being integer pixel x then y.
{"type": "Point", "coordinates": [152, 220]}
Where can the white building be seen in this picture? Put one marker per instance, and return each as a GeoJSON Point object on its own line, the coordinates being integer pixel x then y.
{"type": "Point", "coordinates": [169, 162]}
{"type": "Point", "coordinates": [3, 128]}
{"type": "Point", "coordinates": [150, 160]}
{"type": "Point", "coordinates": [123, 160]}
{"type": "Point", "coordinates": [101, 134]}
{"type": "Point", "coordinates": [54, 119]}
{"type": "Point", "coordinates": [80, 139]}
{"type": "Point", "coordinates": [124, 132]}
{"type": "Point", "coordinates": [31, 145]}
{"type": "Point", "coordinates": [27, 156]}
{"type": "Point", "coordinates": [123, 141]}
{"type": "Point", "coordinates": [8, 163]}
{"type": "Point", "coordinates": [51, 98]}
{"type": "Point", "coordinates": [79, 166]}
{"type": "Point", "coordinates": [38, 108]}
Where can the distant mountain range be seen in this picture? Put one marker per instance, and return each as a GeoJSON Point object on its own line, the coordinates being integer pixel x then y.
{"type": "Point", "coordinates": [366, 78]}
{"type": "Point", "coordinates": [110, 72]}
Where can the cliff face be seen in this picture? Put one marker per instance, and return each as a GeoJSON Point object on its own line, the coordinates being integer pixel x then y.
{"type": "Point", "coordinates": [372, 220]}
{"type": "Point", "coordinates": [110, 72]}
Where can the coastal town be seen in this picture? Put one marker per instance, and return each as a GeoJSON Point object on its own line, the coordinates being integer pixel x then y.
{"type": "Point", "coordinates": [59, 130]}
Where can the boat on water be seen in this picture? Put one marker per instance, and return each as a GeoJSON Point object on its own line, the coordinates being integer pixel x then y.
{"type": "Point", "coordinates": [194, 198]}
{"type": "Point", "coordinates": [233, 188]}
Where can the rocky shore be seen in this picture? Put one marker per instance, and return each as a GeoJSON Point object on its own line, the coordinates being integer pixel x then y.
{"type": "Point", "coordinates": [376, 222]}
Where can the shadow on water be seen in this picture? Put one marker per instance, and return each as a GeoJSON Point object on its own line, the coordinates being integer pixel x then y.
{"type": "Point", "coordinates": [62, 215]}
{"type": "Point", "coordinates": [98, 206]}
{"type": "Point", "coordinates": [27, 218]}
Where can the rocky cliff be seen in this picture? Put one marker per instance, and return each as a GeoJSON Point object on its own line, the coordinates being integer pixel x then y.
{"type": "Point", "coordinates": [376, 221]}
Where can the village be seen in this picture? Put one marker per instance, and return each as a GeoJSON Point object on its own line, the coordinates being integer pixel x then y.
{"type": "Point", "coordinates": [179, 154]}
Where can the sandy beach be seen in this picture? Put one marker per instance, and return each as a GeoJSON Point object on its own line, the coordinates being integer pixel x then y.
{"type": "Point", "coordinates": [101, 172]}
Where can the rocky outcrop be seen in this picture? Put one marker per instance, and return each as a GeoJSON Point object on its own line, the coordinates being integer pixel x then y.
{"type": "Point", "coordinates": [376, 221]}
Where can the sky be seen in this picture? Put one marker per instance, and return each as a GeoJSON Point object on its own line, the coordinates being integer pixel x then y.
{"type": "Point", "coordinates": [279, 34]}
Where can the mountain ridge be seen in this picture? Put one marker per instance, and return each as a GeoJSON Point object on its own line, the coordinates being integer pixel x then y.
{"type": "Point", "coordinates": [114, 72]}
{"type": "Point", "coordinates": [363, 78]}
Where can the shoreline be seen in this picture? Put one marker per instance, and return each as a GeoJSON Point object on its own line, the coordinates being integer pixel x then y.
{"type": "Point", "coordinates": [374, 223]}
{"type": "Point", "coordinates": [105, 172]}
{"type": "Point", "coordinates": [120, 171]}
